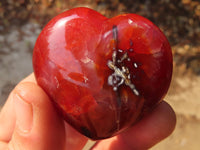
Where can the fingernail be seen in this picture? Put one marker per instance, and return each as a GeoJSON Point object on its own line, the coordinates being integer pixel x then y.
{"type": "Point", "coordinates": [24, 113]}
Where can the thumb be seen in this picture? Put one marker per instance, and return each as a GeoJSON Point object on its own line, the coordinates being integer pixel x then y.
{"type": "Point", "coordinates": [38, 126]}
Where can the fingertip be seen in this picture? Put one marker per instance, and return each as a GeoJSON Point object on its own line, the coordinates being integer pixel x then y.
{"type": "Point", "coordinates": [166, 117]}
{"type": "Point", "coordinates": [31, 93]}
{"type": "Point", "coordinates": [24, 114]}
{"type": "Point", "coordinates": [30, 78]}
{"type": "Point", "coordinates": [47, 130]}
{"type": "Point", "coordinates": [150, 130]}
{"type": "Point", "coordinates": [153, 128]}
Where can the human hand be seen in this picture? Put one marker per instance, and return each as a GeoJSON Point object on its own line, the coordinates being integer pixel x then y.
{"type": "Point", "coordinates": [28, 121]}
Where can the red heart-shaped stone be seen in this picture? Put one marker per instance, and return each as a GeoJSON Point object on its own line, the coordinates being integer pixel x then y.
{"type": "Point", "coordinates": [102, 74]}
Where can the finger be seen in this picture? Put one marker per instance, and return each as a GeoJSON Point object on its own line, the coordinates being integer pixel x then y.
{"type": "Point", "coordinates": [7, 120]}
{"type": "Point", "coordinates": [38, 125]}
{"type": "Point", "coordinates": [74, 140]}
{"type": "Point", "coordinates": [3, 146]}
{"type": "Point", "coordinates": [7, 112]}
{"type": "Point", "coordinates": [30, 78]}
{"type": "Point", "coordinates": [146, 133]}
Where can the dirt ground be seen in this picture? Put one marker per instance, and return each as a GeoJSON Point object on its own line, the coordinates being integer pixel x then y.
{"type": "Point", "coordinates": [21, 22]}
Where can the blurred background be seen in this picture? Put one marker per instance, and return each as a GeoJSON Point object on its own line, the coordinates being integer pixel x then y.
{"type": "Point", "coordinates": [21, 22]}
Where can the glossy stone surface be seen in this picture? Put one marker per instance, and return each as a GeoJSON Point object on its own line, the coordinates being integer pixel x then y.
{"type": "Point", "coordinates": [102, 74]}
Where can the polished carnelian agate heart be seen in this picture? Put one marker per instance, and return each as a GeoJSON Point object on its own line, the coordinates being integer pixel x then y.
{"type": "Point", "coordinates": [102, 74]}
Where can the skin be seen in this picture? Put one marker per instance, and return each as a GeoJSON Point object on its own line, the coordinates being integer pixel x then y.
{"type": "Point", "coordinates": [28, 120]}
